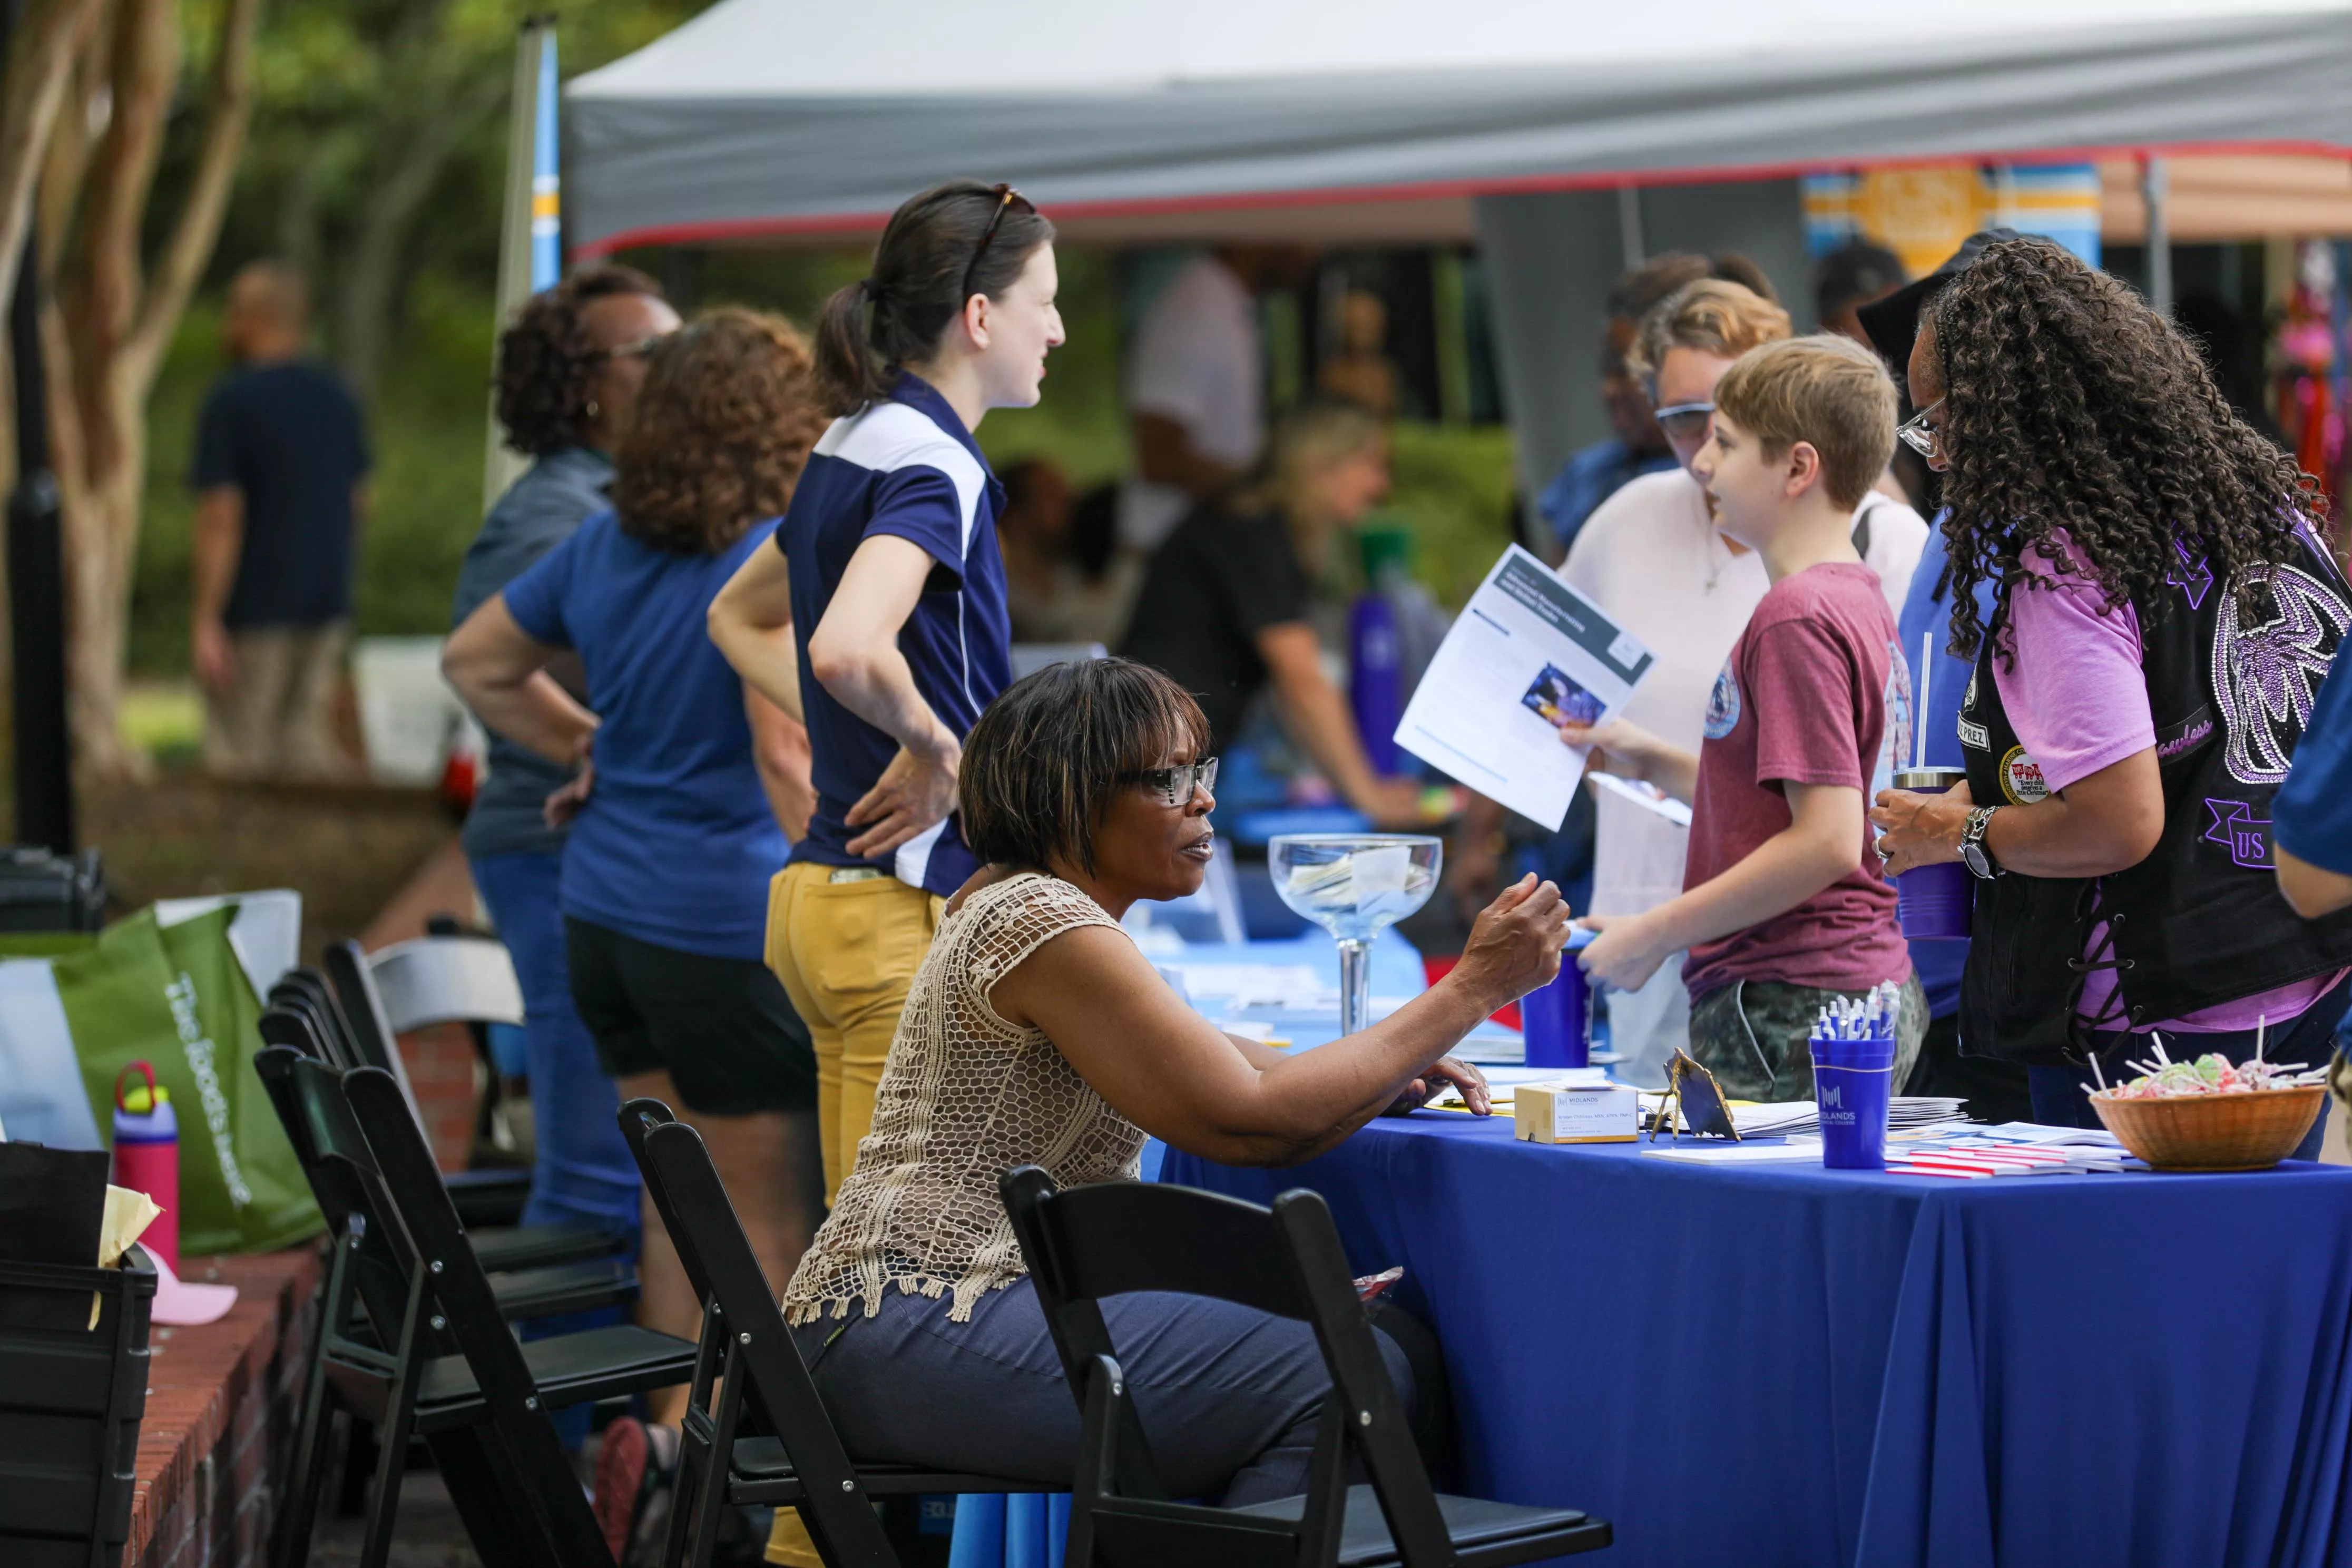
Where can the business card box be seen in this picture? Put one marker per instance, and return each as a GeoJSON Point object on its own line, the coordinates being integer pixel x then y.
{"type": "Point", "coordinates": [1574, 1113]}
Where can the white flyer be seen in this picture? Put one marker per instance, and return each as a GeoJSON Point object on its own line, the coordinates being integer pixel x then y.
{"type": "Point", "coordinates": [1527, 654]}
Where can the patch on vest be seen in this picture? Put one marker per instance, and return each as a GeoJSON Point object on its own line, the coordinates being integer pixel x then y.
{"type": "Point", "coordinates": [2021, 778]}
{"type": "Point", "coordinates": [2236, 828]}
{"type": "Point", "coordinates": [2266, 675]}
{"type": "Point", "coordinates": [1723, 704]}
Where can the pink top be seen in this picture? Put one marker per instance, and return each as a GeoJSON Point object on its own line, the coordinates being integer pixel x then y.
{"type": "Point", "coordinates": [1815, 692]}
{"type": "Point", "coordinates": [2078, 700]}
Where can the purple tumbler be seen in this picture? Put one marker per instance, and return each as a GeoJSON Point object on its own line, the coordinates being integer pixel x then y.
{"type": "Point", "coordinates": [1934, 902]}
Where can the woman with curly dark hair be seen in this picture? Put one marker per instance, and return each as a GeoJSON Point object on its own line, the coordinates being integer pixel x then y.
{"type": "Point", "coordinates": [569, 368]}
{"type": "Point", "coordinates": [2163, 614]}
{"type": "Point", "coordinates": [699, 785]}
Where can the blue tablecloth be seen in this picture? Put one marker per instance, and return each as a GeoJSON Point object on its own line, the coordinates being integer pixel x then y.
{"type": "Point", "coordinates": [1786, 1365]}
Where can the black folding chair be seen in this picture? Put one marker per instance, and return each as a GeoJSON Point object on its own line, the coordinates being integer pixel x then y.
{"type": "Point", "coordinates": [483, 1197]}
{"type": "Point", "coordinates": [747, 1352]}
{"type": "Point", "coordinates": [445, 1367]}
{"type": "Point", "coordinates": [316, 1032]}
{"type": "Point", "coordinates": [1118, 1237]}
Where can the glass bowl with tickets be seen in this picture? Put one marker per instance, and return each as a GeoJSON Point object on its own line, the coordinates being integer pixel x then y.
{"type": "Point", "coordinates": [1354, 885]}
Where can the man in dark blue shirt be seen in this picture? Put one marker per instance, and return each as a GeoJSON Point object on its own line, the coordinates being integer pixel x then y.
{"type": "Point", "coordinates": [280, 473]}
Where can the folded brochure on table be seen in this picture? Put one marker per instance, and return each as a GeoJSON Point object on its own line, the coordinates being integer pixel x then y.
{"type": "Point", "coordinates": [1527, 653]}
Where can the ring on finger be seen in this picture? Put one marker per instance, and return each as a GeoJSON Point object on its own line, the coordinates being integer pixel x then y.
{"type": "Point", "coordinates": [1884, 854]}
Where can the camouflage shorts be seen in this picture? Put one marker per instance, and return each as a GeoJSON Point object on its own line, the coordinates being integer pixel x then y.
{"type": "Point", "coordinates": [1752, 1036]}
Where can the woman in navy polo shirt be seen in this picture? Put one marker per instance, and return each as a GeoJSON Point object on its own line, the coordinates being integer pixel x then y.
{"type": "Point", "coordinates": [880, 617]}
{"type": "Point", "coordinates": [695, 784]}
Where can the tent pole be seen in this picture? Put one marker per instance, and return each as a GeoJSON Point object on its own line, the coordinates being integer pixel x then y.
{"type": "Point", "coordinates": [1629, 225]}
{"type": "Point", "coordinates": [2154, 190]}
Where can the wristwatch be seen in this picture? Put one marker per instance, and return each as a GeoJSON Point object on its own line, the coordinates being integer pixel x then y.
{"type": "Point", "coordinates": [1973, 852]}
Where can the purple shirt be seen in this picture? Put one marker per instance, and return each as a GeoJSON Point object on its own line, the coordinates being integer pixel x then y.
{"type": "Point", "coordinates": [2078, 701]}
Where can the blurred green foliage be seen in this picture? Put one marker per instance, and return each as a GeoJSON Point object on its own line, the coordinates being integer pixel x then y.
{"type": "Point", "coordinates": [348, 88]}
{"type": "Point", "coordinates": [1452, 484]}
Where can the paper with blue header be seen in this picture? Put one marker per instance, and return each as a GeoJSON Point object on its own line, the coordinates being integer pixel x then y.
{"type": "Point", "coordinates": [1527, 654]}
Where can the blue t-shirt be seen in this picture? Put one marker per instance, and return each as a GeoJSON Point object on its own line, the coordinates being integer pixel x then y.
{"type": "Point", "coordinates": [677, 844]}
{"type": "Point", "coordinates": [1590, 477]}
{"type": "Point", "coordinates": [1938, 963]}
{"type": "Point", "coordinates": [903, 466]}
{"type": "Point", "coordinates": [554, 496]}
{"type": "Point", "coordinates": [287, 437]}
{"type": "Point", "coordinates": [2311, 815]}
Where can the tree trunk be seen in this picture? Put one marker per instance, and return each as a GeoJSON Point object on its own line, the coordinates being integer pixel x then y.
{"type": "Point", "coordinates": [108, 335]}
{"type": "Point", "coordinates": [375, 278]}
{"type": "Point", "coordinates": [41, 54]}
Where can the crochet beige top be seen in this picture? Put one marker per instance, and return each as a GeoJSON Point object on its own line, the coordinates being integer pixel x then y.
{"type": "Point", "coordinates": [964, 1095]}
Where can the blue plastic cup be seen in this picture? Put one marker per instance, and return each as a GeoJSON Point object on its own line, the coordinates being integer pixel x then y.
{"type": "Point", "coordinates": [1935, 903]}
{"type": "Point", "coordinates": [1852, 1081]}
{"type": "Point", "coordinates": [1557, 1019]}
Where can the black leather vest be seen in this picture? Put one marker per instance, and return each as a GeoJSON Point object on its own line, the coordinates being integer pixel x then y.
{"type": "Point", "coordinates": [2200, 921]}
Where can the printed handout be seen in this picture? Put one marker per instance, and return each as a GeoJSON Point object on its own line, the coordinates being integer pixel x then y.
{"type": "Point", "coordinates": [1527, 654]}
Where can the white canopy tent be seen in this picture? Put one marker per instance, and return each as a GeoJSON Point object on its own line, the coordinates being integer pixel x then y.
{"type": "Point", "coordinates": [779, 122]}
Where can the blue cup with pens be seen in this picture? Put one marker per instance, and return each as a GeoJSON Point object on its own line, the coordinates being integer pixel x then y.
{"type": "Point", "coordinates": [1557, 1019]}
{"type": "Point", "coordinates": [1852, 1046]}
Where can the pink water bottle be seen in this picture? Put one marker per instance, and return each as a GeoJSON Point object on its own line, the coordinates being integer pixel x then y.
{"type": "Point", "coordinates": [147, 1156]}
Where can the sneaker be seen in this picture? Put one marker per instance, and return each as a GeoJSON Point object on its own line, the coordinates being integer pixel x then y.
{"type": "Point", "coordinates": [622, 1459]}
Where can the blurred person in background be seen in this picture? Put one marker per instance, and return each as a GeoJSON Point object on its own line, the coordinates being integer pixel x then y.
{"type": "Point", "coordinates": [1196, 385]}
{"type": "Point", "coordinates": [1636, 445]}
{"type": "Point", "coordinates": [280, 477]}
{"type": "Point", "coordinates": [1053, 592]}
{"type": "Point", "coordinates": [1361, 373]}
{"type": "Point", "coordinates": [685, 806]}
{"type": "Point", "coordinates": [1859, 272]}
{"type": "Point", "coordinates": [1227, 602]}
{"type": "Point", "coordinates": [569, 369]}
{"type": "Point", "coordinates": [1655, 557]}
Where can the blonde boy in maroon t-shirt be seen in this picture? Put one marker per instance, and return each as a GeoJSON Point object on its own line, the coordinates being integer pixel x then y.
{"type": "Point", "coordinates": [1782, 906]}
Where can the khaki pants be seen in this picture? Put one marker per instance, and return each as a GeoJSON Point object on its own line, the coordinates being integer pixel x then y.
{"type": "Point", "coordinates": [276, 720]}
{"type": "Point", "coordinates": [846, 952]}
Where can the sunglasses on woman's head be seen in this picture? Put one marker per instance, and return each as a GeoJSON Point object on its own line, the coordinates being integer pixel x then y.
{"type": "Point", "coordinates": [1687, 422]}
{"type": "Point", "coordinates": [1176, 785]}
{"type": "Point", "coordinates": [642, 348]}
{"type": "Point", "coordinates": [1007, 200]}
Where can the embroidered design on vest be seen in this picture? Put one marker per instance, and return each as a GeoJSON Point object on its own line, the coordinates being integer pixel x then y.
{"type": "Point", "coordinates": [2021, 778]}
{"type": "Point", "coordinates": [2190, 574]}
{"type": "Point", "coordinates": [2236, 828]}
{"type": "Point", "coordinates": [2266, 675]}
{"type": "Point", "coordinates": [1972, 735]}
{"type": "Point", "coordinates": [1723, 704]}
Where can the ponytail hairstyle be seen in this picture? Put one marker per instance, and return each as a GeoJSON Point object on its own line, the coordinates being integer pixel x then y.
{"type": "Point", "coordinates": [930, 261]}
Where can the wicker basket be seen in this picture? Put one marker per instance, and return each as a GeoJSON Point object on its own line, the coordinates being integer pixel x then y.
{"type": "Point", "coordinates": [2215, 1131]}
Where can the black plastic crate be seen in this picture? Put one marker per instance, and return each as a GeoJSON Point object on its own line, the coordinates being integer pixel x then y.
{"type": "Point", "coordinates": [70, 1401]}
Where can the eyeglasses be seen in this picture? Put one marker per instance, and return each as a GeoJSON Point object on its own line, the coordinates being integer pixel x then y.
{"type": "Point", "coordinates": [642, 349]}
{"type": "Point", "coordinates": [1176, 785]}
{"type": "Point", "coordinates": [1687, 422]}
{"type": "Point", "coordinates": [1007, 200]}
{"type": "Point", "coordinates": [1916, 433]}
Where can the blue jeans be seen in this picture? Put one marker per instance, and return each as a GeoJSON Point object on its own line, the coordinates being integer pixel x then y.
{"type": "Point", "coordinates": [584, 1175]}
{"type": "Point", "coordinates": [2308, 1037]}
{"type": "Point", "coordinates": [1228, 1396]}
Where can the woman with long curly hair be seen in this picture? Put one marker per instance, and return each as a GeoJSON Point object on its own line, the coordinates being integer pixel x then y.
{"type": "Point", "coordinates": [2163, 614]}
{"type": "Point", "coordinates": [696, 786]}
{"type": "Point", "coordinates": [569, 368]}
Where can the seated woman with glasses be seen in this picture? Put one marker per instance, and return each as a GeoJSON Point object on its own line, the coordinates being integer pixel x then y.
{"type": "Point", "coordinates": [1036, 1033]}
